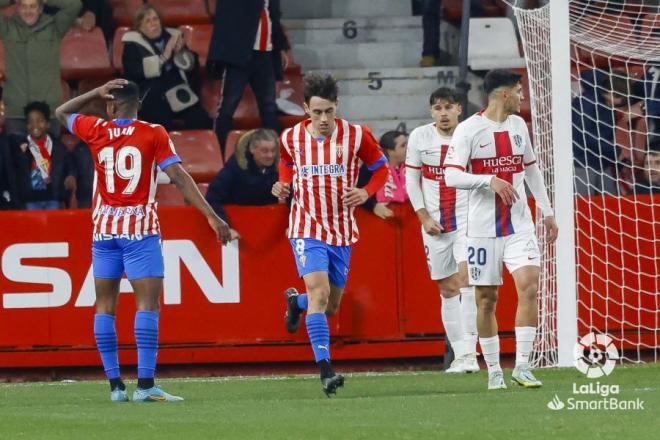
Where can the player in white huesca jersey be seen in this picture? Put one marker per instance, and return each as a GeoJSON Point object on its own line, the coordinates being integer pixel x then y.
{"type": "Point", "coordinates": [319, 165]}
{"type": "Point", "coordinates": [491, 155]}
{"type": "Point", "coordinates": [442, 211]}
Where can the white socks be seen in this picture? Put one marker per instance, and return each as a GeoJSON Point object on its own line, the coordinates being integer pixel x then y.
{"type": "Point", "coordinates": [524, 342]}
{"type": "Point", "coordinates": [469, 319]}
{"type": "Point", "coordinates": [451, 320]}
{"type": "Point", "coordinates": [490, 348]}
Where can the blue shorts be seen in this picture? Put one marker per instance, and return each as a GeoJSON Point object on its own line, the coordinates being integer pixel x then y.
{"type": "Point", "coordinates": [113, 257]}
{"type": "Point", "coordinates": [312, 255]}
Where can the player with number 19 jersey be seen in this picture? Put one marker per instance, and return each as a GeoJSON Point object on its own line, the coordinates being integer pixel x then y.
{"type": "Point", "coordinates": [125, 154]}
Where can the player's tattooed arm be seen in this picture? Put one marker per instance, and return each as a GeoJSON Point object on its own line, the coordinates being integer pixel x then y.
{"type": "Point", "coordinates": [191, 194]}
{"type": "Point", "coordinates": [74, 105]}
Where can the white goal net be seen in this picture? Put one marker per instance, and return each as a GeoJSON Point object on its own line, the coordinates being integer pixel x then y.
{"type": "Point", "coordinates": [615, 111]}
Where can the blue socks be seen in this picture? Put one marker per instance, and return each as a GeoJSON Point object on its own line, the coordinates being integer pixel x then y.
{"type": "Point", "coordinates": [106, 342]}
{"type": "Point", "coordinates": [319, 335]}
{"type": "Point", "coordinates": [146, 338]}
{"type": "Point", "coordinates": [302, 301]}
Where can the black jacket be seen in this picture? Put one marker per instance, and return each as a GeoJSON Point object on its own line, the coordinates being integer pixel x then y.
{"type": "Point", "coordinates": [61, 168]}
{"type": "Point", "coordinates": [153, 85]}
{"type": "Point", "coordinates": [234, 30]}
{"type": "Point", "coordinates": [241, 182]}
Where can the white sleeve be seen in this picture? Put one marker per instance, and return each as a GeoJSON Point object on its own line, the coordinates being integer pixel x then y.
{"type": "Point", "coordinates": [534, 180]}
{"type": "Point", "coordinates": [529, 157]}
{"type": "Point", "coordinates": [456, 162]}
{"type": "Point", "coordinates": [414, 172]}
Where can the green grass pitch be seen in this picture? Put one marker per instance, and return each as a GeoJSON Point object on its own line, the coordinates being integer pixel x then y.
{"type": "Point", "coordinates": [406, 405]}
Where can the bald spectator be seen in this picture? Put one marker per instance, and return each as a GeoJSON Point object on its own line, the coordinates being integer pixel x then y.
{"type": "Point", "coordinates": [32, 57]}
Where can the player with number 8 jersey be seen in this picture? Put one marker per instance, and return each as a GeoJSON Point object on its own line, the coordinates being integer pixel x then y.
{"type": "Point", "coordinates": [126, 234]}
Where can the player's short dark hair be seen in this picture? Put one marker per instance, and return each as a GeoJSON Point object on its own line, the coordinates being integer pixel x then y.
{"type": "Point", "coordinates": [322, 85]}
{"type": "Point", "coordinates": [500, 78]}
{"type": "Point", "coordinates": [38, 106]}
{"type": "Point", "coordinates": [445, 93]}
{"type": "Point", "coordinates": [388, 140]}
{"type": "Point", "coordinates": [128, 94]}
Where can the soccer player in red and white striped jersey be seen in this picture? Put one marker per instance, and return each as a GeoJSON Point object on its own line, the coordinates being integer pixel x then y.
{"type": "Point", "coordinates": [442, 211]}
{"type": "Point", "coordinates": [126, 239]}
{"type": "Point", "coordinates": [491, 154]}
{"type": "Point", "coordinates": [320, 159]}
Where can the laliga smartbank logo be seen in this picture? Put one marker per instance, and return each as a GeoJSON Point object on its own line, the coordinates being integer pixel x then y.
{"type": "Point", "coordinates": [595, 356]}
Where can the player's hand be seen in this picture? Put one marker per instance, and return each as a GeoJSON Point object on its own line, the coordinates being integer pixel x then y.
{"type": "Point", "coordinates": [355, 196]}
{"type": "Point", "coordinates": [70, 183]}
{"type": "Point", "coordinates": [432, 226]}
{"type": "Point", "coordinates": [381, 210]}
{"type": "Point", "coordinates": [234, 234]}
{"type": "Point", "coordinates": [551, 229]}
{"type": "Point", "coordinates": [505, 190]}
{"type": "Point", "coordinates": [105, 89]}
{"type": "Point", "coordinates": [87, 21]}
{"type": "Point", "coordinates": [281, 190]}
{"type": "Point", "coordinates": [285, 60]}
{"type": "Point", "coordinates": [221, 228]}
{"type": "Point", "coordinates": [24, 147]}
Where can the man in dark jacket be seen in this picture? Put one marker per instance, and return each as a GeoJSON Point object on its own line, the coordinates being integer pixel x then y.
{"type": "Point", "coordinates": [246, 45]}
{"type": "Point", "coordinates": [248, 176]}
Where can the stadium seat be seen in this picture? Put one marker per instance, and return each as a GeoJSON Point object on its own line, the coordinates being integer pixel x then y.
{"type": "Point", "coordinates": [66, 91]}
{"type": "Point", "coordinates": [526, 104]}
{"type": "Point", "coordinates": [197, 38]}
{"type": "Point", "coordinates": [123, 10]}
{"type": "Point", "coordinates": [200, 152]}
{"type": "Point", "coordinates": [118, 48]}
{"type": "Point", "coordinates": [210, 4]}
{"type": "Point", "coordinates": [84, 54]}
{"type": "Point", "coordinates": [167, 194]}
{"type": "Point", "coordinates": [493, 44]}
{"type": "Point", "coordinates": [177, 12]}
{"type": "Point", "coordinates": [232, 142]}
{"type": "Point", "coordinates": [649, 25]}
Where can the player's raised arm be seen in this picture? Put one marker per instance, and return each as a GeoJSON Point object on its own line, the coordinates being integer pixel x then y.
{"type": "Point", "coordinates": [191, 194]}
{"type": "Point", "coordinates": [64, 111]}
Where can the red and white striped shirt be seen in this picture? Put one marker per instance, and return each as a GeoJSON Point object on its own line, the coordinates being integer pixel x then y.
{"type": "Point", "coordinates": [125, 154]}
{"type": "Point", "coordinates": [263, 42]}
{"type": "Point", "coordinates": [322, 172]}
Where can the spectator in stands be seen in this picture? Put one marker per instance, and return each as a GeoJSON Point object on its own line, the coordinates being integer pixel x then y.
{"type": "Point", "coordinates": [249, 46]}
{"type": "Point", "coordinates": [7, 177]}
{"type": "Point", "coordinates": [83, 167]}
{"type": "Point", "coordinates": [43, 166]}
{"type": "Point", "coordinates": [595, 149]}
{"type": "Point", "coordinates": [394, 145]}
{"type": "Point", "coordinates": [32, 57]}
{"type": "Point", "coordinates": [431, 54]}
{"type": "Point", "coordinates": [248, 175]}
{"type": "Point", "coordinates": [648, 181]}
{"type": "Point", "coordinates": [96, 13]}
{"type": "Point", "coordinates": [158, 60]}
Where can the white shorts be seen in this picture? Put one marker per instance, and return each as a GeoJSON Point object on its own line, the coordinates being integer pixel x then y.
{"type": "Point", "coordinates": [486, 255]}
{"type": "Point", "coordinates": [444, 252]}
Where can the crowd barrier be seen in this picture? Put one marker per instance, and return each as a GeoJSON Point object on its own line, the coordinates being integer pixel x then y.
{"type": "Point", "coordinates": [220, 304]}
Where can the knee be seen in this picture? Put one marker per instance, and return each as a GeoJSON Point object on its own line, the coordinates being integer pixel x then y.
{"type": "Point", "coordinates": [529, 292]}
{"type": "Point", "coordinates": [331, 309]}
{"type": "Point", "coordinates": [487, 302]}
{"type": "Point", "coordinates": [319, 297]}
